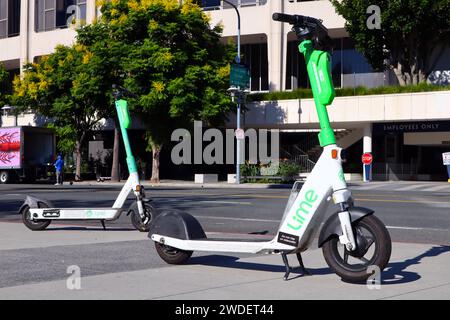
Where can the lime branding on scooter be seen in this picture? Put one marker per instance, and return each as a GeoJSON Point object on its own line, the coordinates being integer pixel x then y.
{"type": "Point", "coordinates": [352, 239]}
{"type": "Point", "coordinates": [305, 207]}
{"type": "Point", "coordinates": [37, 214]}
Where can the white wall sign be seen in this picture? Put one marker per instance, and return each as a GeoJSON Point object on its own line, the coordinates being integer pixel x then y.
{"type": "Point", "coordinates": [446, 158]}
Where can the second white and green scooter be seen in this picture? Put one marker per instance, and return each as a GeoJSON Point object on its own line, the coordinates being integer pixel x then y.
{"type": "Point", "coordinates": [37, 214]}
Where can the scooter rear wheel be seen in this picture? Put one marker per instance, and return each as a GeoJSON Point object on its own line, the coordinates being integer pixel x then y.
{"type": "Point", "coordinates": [373, 249]}
{"type": "Point", "coordinates": [172, 255]}
{"type": "Point", "coordinates": [35, 225]}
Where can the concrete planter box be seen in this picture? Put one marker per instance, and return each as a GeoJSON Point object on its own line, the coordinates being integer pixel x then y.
{"type": "Point", "coordinates": [353, 177]}
{"type": "Point", "coordinates": [231, 178]}
{"type": "Point", "coordinates": [206, 178]}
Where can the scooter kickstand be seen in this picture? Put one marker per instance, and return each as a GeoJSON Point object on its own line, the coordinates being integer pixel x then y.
{"type": "Point", "coordinates": [103, 224]}
{"type": "Point", "coordinates": [302, 266]}
{"type": "Point", "coordinates": [286, 264]}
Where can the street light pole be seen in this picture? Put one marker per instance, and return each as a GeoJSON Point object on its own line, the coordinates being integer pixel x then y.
{"type": "Point", "coordinates": [238, 116]}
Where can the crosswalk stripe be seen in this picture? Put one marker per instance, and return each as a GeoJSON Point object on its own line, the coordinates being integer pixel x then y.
{"type": "Point", "coordinates": [413, 187]}
{"type": "Point", "coordinates": [437, 188]}
{"type": "Point", "coordinates": [368, 187]}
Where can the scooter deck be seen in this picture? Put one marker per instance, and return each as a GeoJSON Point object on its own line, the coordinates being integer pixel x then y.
{"type": "Point", "coordinates": [107, 213]}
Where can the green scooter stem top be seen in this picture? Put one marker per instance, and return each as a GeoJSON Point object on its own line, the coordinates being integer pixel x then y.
{"type": "Point", "coordinates": [318, 65]}
{"type": "Point", "coordinates": [124, 121]}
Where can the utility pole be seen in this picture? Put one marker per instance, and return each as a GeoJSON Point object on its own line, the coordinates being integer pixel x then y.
{"type": "Point", "coordinates": [239, 97]}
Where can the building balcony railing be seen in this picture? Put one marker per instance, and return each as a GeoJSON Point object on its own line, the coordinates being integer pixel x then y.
{"type": "Point", "coordinates": [219, 4]}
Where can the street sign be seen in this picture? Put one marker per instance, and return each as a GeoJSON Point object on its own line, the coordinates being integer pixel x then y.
{"type": "Point", "coordinates": [446, 158]}
{"type": "Point", "coordinates": [239, 76]}
{"type": "Point", "coordinates": [367, 158]}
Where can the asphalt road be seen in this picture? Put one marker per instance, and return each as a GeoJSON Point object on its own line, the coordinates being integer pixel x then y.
{"type": "Point", "coordinates": [411, 216]}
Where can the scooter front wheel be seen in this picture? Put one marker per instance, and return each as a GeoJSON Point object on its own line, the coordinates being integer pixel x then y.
{"type": "Point", "coordinates": [373, 248]}
{"type": "Point", "coordinates": [30, 223]}
{"type": "Point", "coordinates": [140, 224]}
{"type": "Point", "coordinates": [172, 255]}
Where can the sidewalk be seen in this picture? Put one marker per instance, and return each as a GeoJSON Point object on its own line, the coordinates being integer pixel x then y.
{"type": "Point", "coordinates": [416, 271]}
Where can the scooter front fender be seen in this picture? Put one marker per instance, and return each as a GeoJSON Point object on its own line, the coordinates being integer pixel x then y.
{"type": "Point", "coordinates": [332, 226]}
{"type": "Point", "coordinates": [33, 202]}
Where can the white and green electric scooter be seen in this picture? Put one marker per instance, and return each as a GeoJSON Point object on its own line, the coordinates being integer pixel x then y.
{"type": "Point", "coordinates": [352, 239]}
{"type": "Point", "coordinates": [37, 214]}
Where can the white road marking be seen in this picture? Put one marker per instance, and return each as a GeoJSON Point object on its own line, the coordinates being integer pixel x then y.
{"type": "Point", "coordinates": [413, 187]}
{"type": "Point", "coordinates": [227, 202]}
{"type": "Point", "coordinates": [437, 188]}
{"type": "Point", "coordinates": [367, 187]}
{"type": "Point", "coordinates": [413, 228]}
{"type": "Point", "coordinates": [237, 219]}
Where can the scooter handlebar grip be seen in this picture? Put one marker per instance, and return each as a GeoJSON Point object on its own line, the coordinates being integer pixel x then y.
{"type": "Point", "coordinates": [282, 17]}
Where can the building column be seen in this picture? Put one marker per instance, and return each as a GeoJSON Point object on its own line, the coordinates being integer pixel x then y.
{"type": "Point", "coordinates": [367, 148]}
{"type": "Point", "coordinates": [276, 49]}
{"type": "Point", "coordinates": [91, 11]}
{"type": "Point", "coordinates": [24, 32]}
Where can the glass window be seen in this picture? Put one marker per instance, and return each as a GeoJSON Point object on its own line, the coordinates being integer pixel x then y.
{"type": "Point", "coordinates": [3, 18]}
{"type": "Point", "coordinates": [296, 75]}
{"type": "Point", "coordinates": [9, 18]}
{"type": "Point", "coordinates": [255, 57]}
{"type": "Point", "coordinates": [51, 14]}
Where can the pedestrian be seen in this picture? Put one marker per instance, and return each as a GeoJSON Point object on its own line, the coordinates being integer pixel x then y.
{"type": "Point", "coordinates": [59, 165]}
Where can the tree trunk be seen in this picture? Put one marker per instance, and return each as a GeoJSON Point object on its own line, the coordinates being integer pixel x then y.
{"type": "Point", "coordinates": [78, 161]}
{"type": "Point", "coordinates": [156, 151]}
{"type": "Point", "coordinates": [115, 160]}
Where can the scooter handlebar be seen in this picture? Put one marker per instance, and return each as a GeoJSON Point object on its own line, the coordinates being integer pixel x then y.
{"type": "Point", "coordinates": [295, 19]}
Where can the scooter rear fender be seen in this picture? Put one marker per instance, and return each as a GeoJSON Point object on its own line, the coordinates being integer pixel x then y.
{"type": "Point", "coordinates": [33, 202]}
{"type": "Point", "coordinates": [176, 224]}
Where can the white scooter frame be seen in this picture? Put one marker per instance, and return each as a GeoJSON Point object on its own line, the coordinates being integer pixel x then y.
{"type": "Point", "coordinates": [303, 215]}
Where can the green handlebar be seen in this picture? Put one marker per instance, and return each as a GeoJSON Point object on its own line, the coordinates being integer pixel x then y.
{"type": "Point", "coordinates": [124, 121]}
{"type": "Point", "coordinates": [318, 65]}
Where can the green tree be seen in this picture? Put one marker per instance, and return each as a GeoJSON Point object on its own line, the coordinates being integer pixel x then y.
{"type": "Point", "coordinates": [412, 37]}
{"type": "Point", "coordinates": [71, 87]}
{"type": "Point", "coordinates": [174, 62]}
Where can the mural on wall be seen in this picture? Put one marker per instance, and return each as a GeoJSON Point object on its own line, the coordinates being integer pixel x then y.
{"type": "Point", "coordinates": [10, 147]}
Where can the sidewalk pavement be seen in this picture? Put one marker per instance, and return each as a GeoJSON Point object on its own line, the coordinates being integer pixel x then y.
{"type": "Point", "coordinates": [416, 271]}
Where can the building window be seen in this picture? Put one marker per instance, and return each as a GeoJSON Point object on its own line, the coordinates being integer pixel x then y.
{"type": "Point", "coordinates": [255, 57]}
{"type": "Point", "coordinates": [296, 75]}
{"type": "Point", "coordinates": [350, 68]}
{"type": "Point", "coordinates": [52, 14]}
{"type": "Point", "coordinates": [9, 18]}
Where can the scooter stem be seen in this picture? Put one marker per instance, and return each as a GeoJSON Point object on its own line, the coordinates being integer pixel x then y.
{"type": "Point", "coordinates": [318, 64]}
{"type": "Point", "coordinates": [124, 121]}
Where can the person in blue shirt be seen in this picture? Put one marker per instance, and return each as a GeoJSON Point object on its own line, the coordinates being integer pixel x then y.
{"type": "Point", "coordinates": [59, 165]}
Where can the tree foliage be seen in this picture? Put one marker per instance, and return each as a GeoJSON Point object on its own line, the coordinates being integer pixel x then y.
{"type": "Point", "coordinates": [174, 62]}
{"type": "Point", "coordinates": [411, 39]}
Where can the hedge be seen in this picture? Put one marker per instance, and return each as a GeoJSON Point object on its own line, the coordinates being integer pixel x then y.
{"type": "Point", "coordinates": [343, 92]}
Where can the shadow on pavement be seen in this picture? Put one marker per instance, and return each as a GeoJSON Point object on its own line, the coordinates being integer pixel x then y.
{"type": "Point", "coordinates": [87, 228]}
{"type": "Point", "coordinates": [233, 262]}
{"type": "Point", "coordinates": [396, 273]}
